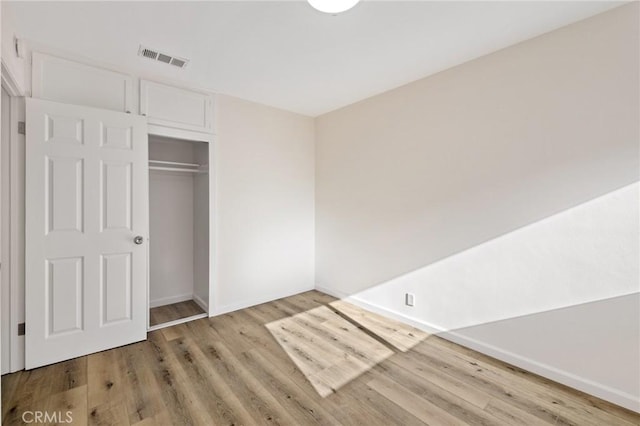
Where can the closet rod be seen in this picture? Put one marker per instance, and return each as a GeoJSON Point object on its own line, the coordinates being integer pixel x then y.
{"type": "Point", "coordinates": [174, 163]}
{"type": "Point", "coordinates": [175, 169]}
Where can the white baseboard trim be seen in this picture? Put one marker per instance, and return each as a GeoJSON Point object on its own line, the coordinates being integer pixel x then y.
{"type": "Point", "coordinates": [200, 302]}
{"type": "Point", "coordinates": [169, 300]}
{"type": "Point", "coordinates": [176, 322]}
{"type": "Point", "coordinates": [599, 390]}
{"type": "Point", "coordinates": [247, 303]}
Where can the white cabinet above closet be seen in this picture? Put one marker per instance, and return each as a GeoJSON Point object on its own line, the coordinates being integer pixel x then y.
{"type": "Point", "coordinates": [171, 111]}
{"type": "Point", "coordinates": [71, 82]}
{"type": "Point", "coordinates": [175, 107]}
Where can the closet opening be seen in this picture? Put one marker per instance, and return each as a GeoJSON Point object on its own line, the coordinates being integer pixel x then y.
{"type": "Point", "coordinates": [178, 231]}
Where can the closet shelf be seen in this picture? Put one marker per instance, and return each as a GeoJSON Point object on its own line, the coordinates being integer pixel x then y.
{"type": "Point", "coordinates": [174, 166]}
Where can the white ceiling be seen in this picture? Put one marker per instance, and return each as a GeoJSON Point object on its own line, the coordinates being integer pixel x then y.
{"type": "Point", "coordinates": [285, 53]}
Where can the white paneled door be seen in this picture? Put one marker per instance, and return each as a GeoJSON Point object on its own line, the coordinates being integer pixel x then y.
{"type": "Point", "coordinates": [86, 231]}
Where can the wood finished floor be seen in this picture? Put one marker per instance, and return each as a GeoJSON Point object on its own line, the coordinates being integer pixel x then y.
{"type": "Point", "coordinates": [174, 311]}
{"type": "Point", "coordinates": [272, 363]}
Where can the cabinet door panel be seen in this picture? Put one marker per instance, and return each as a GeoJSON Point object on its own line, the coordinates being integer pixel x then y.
{"type": "Point", "coordinates": [170, 106]}
{"type": "Point", "coordinates": [71, 82]}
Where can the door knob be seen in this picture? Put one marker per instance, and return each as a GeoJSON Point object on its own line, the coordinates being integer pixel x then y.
{"type": "Point", "coordinates": [138, 240]}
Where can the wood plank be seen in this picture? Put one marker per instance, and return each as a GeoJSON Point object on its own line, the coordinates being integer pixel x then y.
{"type": "Point", "coordinates": [173, 311]}
{"type": "Point", "coordinates": [20, 401]}
{"type": "Point", "coordinates": [344, 336]}
{"type": "Point", "coordinates": [67, 375]}
{"type": "Point", "coordinates": [209, 386]}
{"type": "Point", "coordinates": [72, 402]}
{"type": "Point", "coordinates": [10, 384]}
{"type": "Point", "coordinates": [598, 406]}
{"type": "Point", "coordinates": [352, 408]}
{"type": "Point", "coordinates": [363, 405]}
{"type": "Point", "coordinates": [174, 387]}
{"type": "Point", "coordinates": [310, 356]}
{"type": "Point", "coordinates": [427, 373]}
{"type": "Point", "coordinates": [173, 332]}
{"type": "Point", "coordinates": [142, 399]}
{"type": "Point", "coordinates": [303, 408]}
{"type": "Point", "coordinates": [231, 369]}
{"type": "Point", "coordinates": [552, 399]}
{"type": "Point", "coordinates": [108, 414]}
{"type": "Point", "coordinates": [424, 410]}
{"type": "Point", "coordinates": [36, 384]}
{"type": "Point", "coordinates": [436, 395]}
{"type": "Point", "coordinates": [104, 379]}
{"type": "Point", "coordinates": [389, 411]}
{"type": "Point", "coordinates": [259, 338]}
{"type": "Point", "coordinates": [400, 335]}
{"type": "Point", "coordinates": [511, 415]}
{"type": "Point", "coordinates": [266, 409]}
{"type": "Point", "coordinates": [230, 328]}
{"type": "Point", "coordinates": [159, 419]}
{"type": "Point", "coordinates": [470, 372]}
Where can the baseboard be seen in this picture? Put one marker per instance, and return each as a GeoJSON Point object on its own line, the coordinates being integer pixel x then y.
{"type": "Point", "coordinates": [176, 322]}
{"type": "Point", "coordinates": [200, 302]}
{"type": "Point", "coordinates": [169, 300]}
{"type": "Point", "coordinates": [599, 390]}
{"type": "Point", "coordinates": [247, 303]}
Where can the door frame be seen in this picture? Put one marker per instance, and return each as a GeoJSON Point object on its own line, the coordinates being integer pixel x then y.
{"type": "Point", "coordinates": [210, 139]}
{"type": "Point", "coordinates": [13, 269]}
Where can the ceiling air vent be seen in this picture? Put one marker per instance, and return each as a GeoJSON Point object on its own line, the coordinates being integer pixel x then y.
{"type": "Point", "coordinates": [178, 62]}
{"type": "Point", "coordinates": [148, 53]}
{"type": "Point", "coordinates": [162, 57]}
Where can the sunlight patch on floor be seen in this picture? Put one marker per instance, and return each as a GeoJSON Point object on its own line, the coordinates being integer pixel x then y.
{"type": "Point", "coordinates": [395, 333]}
{"type": "Point", "coordinates": [334, 344]}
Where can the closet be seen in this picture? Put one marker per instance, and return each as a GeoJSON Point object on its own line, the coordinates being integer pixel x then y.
{"type": "Point", "coordinates": [119, 197]}
{"type": "Point", "coordinates": [178, 230]}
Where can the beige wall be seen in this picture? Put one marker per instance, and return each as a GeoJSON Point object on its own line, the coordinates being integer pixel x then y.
{"type": "Point", "coordinates": [411, 183]}
{"type": "Point", "coordinates": [264, 203]}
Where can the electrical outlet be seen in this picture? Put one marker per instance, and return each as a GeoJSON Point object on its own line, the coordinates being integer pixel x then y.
{"type": "Point", "coordinates": [409, 299]}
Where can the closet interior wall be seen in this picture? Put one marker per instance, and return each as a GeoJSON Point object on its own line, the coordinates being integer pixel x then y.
{"type": "Point", "coordinates": [178, 222]}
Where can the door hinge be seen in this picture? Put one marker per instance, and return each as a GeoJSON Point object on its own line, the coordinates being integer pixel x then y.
{"type": "Point", "coordinates": [22, 128]}
{"type": "Point", "coordinates": [21, 329]}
